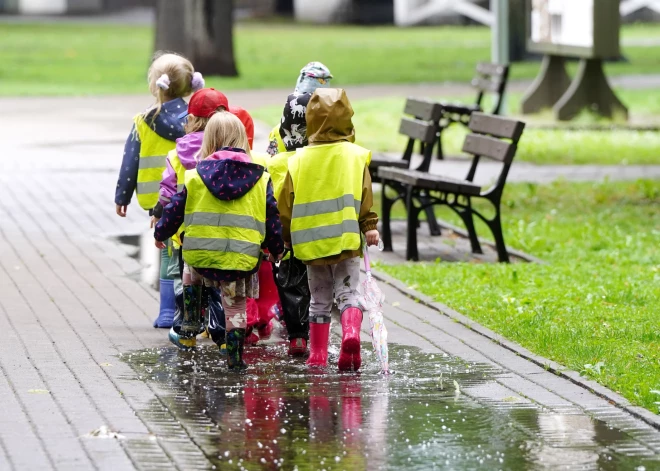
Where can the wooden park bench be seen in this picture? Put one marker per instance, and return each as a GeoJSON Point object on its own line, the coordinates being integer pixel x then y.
{"type": "Point", "coordinates": [423, 190]}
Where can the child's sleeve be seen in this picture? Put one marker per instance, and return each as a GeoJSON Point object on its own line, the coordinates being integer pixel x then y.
{"type": "Point", "coordinates": [128, 172]}
{"type": "Point", "coordinates": [167, 184]}
{"type": "Point", "coordinates": [285, 205]}
{"type": "Point", "coordinates": [368, 219]}
{"type": "Point", "coordinates": [273, 240]}
{"type": "Point", "coordinates": [172, 217]}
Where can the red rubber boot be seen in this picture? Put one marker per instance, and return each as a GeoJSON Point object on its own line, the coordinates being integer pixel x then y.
{"type": "Point", "coordinates": [349, 356]}
{"type": "Point", "coordinates": [319, 336]}
{"type": "Point", "coordinates": [268, 302]}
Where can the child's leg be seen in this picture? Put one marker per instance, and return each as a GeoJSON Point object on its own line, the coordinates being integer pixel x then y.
{"type": "Point", "coordinates": [346, 281]}
{"type": "Point", "coordinates": [235, 305]}
{"type": "Point", "coordinates": [217, 318]}
{"type": "Point", "coordinates": [321, 289]}
{"type": "Point", "coordinates": [268, 300]}
{"type": "Point", "coordinates": [167, 305]}
{"type": "Point", "coordinates": [192, 301]}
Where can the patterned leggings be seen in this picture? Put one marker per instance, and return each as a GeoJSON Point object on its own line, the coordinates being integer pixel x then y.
{"type": "Point", "coordinates": [329, 282]}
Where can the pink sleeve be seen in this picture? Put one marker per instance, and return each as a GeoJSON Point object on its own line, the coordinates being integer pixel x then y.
{"type": "Point", "coordinates": [167, 185]}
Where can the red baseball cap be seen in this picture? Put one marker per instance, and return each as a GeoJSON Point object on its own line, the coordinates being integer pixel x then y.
{"type": "Point", "coordinates": [246, 119]}
{"type": "Point", "coordinates": [204, 103]}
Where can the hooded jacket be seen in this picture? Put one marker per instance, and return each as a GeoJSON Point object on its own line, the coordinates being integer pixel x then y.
{"type": "Point", "coordinates": [329, 122]}
{"type": "Point", "coordinates": [167, 125]}
{"type": "Point", "coordinates": [228, 174]}
{"type": "Point", "coordinates": [187, 148]}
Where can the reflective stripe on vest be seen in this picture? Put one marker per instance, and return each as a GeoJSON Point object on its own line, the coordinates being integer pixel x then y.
{"type": "Point", "coordinates": [180, 172]}
{"type": "Point", "coordinates": [153, 155]}
{"type": "Point", "coordinates": [224, 235]}
{"type": "Point", "coordinates": [327, 181]}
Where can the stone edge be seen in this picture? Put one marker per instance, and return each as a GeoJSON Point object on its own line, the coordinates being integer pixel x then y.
{"type": "Point", "coordinates": [619, 401]}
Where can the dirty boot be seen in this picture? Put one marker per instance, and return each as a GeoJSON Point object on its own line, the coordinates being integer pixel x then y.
{"type": "Point", "coordinates": [192, 316]}
{"type": "Point", "coordinates": [349, 356]}
{"type": "Point", "coordinates": [318, 344]}
{"type": "Point", "coordinates": [297, 347]}
{"type": "Point", "coordinates": [235, 343]}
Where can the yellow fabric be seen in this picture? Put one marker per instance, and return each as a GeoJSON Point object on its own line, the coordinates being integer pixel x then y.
{"type": "Point", "coordinates": [327, 186]}
{"type": "Point", "coordinates": [153, 154]}
{"type": "Point", "coordinates": [260, 158]}
{"type": "Point", "coordinates": [275, 136]}
{"type": "Point", "coordinates": [231, 232]}
{"type": "Point", "coordinates": [278, 166]}
{"type": "Point", "coordinates": [180, 171]}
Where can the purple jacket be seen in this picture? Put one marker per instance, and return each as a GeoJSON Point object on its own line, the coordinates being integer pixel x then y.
{"type": "Point", "coordinates": [186, 148]}
{"type": "Point", "coordinates": [228, 175]}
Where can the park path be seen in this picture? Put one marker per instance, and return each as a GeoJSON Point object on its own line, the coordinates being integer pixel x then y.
{"type": "Point", "coordinates": [72, 302]}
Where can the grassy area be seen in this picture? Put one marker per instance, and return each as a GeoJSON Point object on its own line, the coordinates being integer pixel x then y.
{"type": "Point", "coordinates": [78, 59]}
{"type": "Point", "coordinates": [377, 122]}
{"type": "Point", "coordinates": [593, 307]}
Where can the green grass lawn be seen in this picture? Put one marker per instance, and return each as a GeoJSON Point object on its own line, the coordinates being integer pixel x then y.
{"type": "Point", "coordinates": [377, 123]}
{"type": "Point", "coordinates": [597, 300]}
{"type": "Point", "coordinates": [78, 59]}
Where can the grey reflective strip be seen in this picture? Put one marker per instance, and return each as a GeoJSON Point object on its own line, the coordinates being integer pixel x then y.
{"type": "Point", "coordinates": [224, 220]}
{"type": "Point", "coordinates": [148, 187]}
{"type": "Point", "coordinates": [326, 206]}
{"type": "Point", "coordinates": [222, 245]}
{"type": "Point", "coordinates": [325, 232]}
{"type": "Point", "coordinates": [179, 187]}
{"type": "Point", "coordinates": [156, 161]}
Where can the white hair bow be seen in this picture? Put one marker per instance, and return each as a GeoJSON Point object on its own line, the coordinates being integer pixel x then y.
{"type": "Point", "coordinates": [163, 82]}
{"type": "Point", "coordinates": [197, 81]}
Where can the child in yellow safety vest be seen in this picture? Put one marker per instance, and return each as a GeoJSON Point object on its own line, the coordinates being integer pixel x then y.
{"type": "Point", "coordinates": [230, 214]}
{"type": "Point", "coordinates": [171, 77]}
{"type": "Point", "coordinates": [203, 104]}
{"type": "Point", "coordinates": [325, 206]}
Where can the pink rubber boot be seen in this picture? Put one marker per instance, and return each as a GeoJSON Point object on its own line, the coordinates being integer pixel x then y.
{"type": "Point", "coordinates": [319, 336]}
{"type": "Point", "coordinates": [349, 356]}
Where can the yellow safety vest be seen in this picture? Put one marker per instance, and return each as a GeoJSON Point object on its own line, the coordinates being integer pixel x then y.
{"type": "Point", "coordinates": [225, 235]}
{"type": "Point", "coordinates": [153, 152]}
{"type": "Point", "coordinates": [260, 158]}
{"type": "Point", "coordinates": [278, 166]}
{"type": "Point", "coordinates": [180, 171]}
{"type": "Point", "coordinates": [275, 136]}
{"type": "Point", "coordinates": [327, 184]}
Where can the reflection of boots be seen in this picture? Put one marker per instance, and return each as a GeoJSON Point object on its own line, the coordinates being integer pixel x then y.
{"type": "Point", "coordinates": [349, 356]}
{"type": "Point", "coordinates": [235, 343]}
{"type": "Point", "coordinates": [318, 344]}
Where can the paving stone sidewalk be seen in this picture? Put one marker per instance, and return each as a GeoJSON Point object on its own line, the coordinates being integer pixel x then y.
{"type": "Point", "coordinates": [71, 301]}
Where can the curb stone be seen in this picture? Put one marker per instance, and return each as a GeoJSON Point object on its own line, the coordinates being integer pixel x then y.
{"type": "Point", "coordinates": [573, 376]}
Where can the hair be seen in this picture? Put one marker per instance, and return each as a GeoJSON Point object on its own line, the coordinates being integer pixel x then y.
{"type": "Point", "coordinates": [179, 71]}
{"type": "Point", "coordinates": [223, 130]}
{"type": "Point", "coordinates": [198, 123]}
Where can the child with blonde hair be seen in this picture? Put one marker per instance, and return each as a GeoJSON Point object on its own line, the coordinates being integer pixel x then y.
{"type": "Point", "coordinates": [171, 77]}
{"type": "Point", "coordinates": [230, 214]}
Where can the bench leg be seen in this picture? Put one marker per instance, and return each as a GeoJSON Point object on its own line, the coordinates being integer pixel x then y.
{"type": "Point", "coordinates": [386, 214]}
{"type": "Point", "coordinates": [496, 228]}
{"type": "Point", "coordinates": [440, 154]}
{"type": "Point", "coordinates": [413, 216]}
{"type": "Point", "coordinates": [466, 216]}
{"type": "Point", "coordinates": [434, 227]}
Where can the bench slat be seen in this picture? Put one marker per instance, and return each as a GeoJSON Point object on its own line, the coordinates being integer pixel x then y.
{"type": "Point", "coordinates": [487, 85]}
{"type": "Point", "coordinates": [487, 68]}
{"type": "Point", "coordinates": [490, 147]}
{"type": "Point", "coordinates": [418, 129]}
{"type": "Point", "coordinates": [429, 181]}
{"type": "Point", "coordinates": [496, 126]}
{"type": "Point", "coordinates": [378, 162]}
{"type": "Point", "coordinates": [423, 109]}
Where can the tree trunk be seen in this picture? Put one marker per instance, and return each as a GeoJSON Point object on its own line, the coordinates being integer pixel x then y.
{"type": "Point", "coordinates": [201, 30]}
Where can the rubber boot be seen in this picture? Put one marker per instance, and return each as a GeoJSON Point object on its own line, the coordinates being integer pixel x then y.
{"type": "Point", "coordinates": [349, 356]}
{"type": "Point", "coordinates": [297, 347]}
{"type": "Point", "coordinates": [192, 315]}
{"type": "Point", "coordinates": [216, 324]}
{"type": "Point", "coordinates": [235, 343]}
{"type": "Point", "coordinates": [167, 305]}
{"type": "Point", "coordinates": [319, 336]}
{"type": "Point", "coordinates": [268, 302]}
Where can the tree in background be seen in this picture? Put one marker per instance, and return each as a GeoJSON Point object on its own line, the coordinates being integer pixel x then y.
{"type": "Point", "coordinates": [201, 30]}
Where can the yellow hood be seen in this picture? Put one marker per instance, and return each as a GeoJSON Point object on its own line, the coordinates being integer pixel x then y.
{"type": "Point", "coordinates": [329, 116]}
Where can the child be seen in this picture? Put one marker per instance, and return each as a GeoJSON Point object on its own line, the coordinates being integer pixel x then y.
{"type": "Point", "coordinates": [230, 213]}
{"type": "Point", "coordinates": [325, 205]}
{"type": "Point", "coordinates": [314, 75]}
{"type": "Point", "coordinates": [203, 104]}
{"type": "Point", "coordinates": [293, 132]}
{"type": "Point", "coordinates": [171, 77]}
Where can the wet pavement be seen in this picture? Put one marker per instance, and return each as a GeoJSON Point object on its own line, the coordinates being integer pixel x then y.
{"type": "Point", "coordinates": [426, 416]}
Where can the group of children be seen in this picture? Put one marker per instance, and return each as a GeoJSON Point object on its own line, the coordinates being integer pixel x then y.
{"type": "Point", "coordinates": [223, 214]}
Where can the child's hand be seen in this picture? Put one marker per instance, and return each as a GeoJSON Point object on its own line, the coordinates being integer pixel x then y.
{"type": "Point", "coordinates": [121, 210]}
{"type": "Point", "coordinates": [372, 237]}
{"type": "Point", "coordinates": [159, 244]}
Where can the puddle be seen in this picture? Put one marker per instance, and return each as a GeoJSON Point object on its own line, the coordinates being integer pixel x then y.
{"type": "Point", "coordinates": [280, 415]}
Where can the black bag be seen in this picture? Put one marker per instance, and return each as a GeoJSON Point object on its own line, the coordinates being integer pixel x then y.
{"type": "Point", "coordinates": [293, 288]}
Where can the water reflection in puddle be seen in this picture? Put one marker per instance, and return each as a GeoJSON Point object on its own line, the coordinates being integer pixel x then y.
{"type": "Point", "coordinates": [280, 415]}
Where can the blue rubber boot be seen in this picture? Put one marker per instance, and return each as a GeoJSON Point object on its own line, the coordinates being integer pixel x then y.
{"type": "Point", "coordinates": [167, 305]}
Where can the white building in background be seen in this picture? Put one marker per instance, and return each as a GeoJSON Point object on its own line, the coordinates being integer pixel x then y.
{"type": "Point", "coordinates": [50, 7]}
